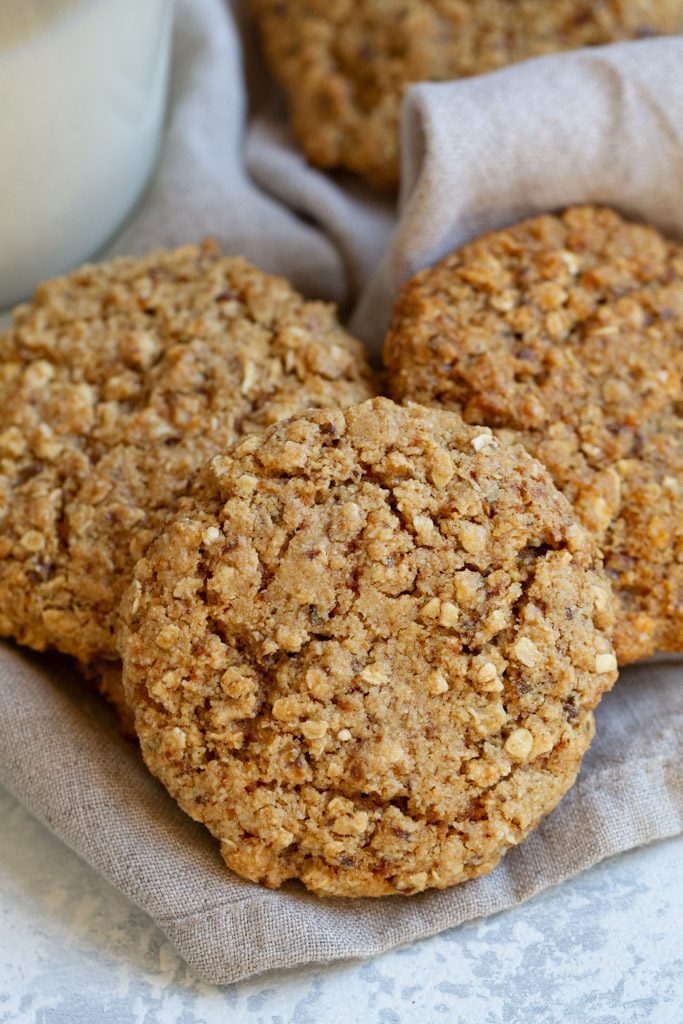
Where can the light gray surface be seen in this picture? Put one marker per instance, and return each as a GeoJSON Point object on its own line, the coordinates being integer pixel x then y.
{"type": "Point", "coordinates": [604, 947]}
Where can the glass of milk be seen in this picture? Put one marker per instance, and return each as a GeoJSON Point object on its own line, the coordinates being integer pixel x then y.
{"type": "Point", "coordinates": [83, 88]}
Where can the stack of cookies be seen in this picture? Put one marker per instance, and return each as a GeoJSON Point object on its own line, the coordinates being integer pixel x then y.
{"type": "Point", "coordinates": [360, 638]}
{"type": "Point", "coordinates": [361, 641]}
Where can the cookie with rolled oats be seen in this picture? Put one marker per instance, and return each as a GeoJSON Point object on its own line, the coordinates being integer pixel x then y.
{"type": "Point", "coordinates": [117, 382]}
{"type": "Point", "coordinates": [565, 333]}
{"type": "Point", "coordinates": [367, 655]}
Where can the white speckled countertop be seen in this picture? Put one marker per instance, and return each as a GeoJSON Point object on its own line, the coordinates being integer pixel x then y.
{"type": "Point", "coordinates": [605, 947]}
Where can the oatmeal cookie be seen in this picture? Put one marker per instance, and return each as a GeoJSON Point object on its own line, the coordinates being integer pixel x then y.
{"type": "Point", "coordinates": [345, 64]}
{"type": "Point", "coordinates": [367, 657]}
{"type": "Point", "coordinates": [116, 383]}
{"type": "Point", "coordinates": [566, 333]}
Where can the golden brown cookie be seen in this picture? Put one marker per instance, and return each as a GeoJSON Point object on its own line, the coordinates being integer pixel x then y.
{"type": "Point", "coordinates": [116, 383]}
{"type": "Point", "coordinates": [566, 333]}
{"type": "Point", "coordinates": [345, 64]}
{"type": "Point", "coordinates": [367, 657]}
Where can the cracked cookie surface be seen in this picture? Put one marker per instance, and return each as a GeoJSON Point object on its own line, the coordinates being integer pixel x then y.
{"type": "Point", "coordinates": [117, 382]}
{"type": "Point", "coordinates": [345, 64]}
{"type": "Point", "coordinates": [367, 657]}
{"type": "Point", "coordinates": [566, 333]}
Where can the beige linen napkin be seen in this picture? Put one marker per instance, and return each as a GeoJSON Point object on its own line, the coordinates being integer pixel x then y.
{"type": "Point", "coordinates": [602, 126]}
{"type": "Point", "coordinates": [595, 126]}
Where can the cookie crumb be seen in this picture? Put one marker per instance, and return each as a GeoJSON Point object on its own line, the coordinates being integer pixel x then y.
{"type": "Point", "coordinates": [525, 651]}
{"type": "Point", "coordinates": [482, 441]}
{"type": "Point", "coordinates": [519, 744]}
{"type": "Point", "coordinates": [605, 663]}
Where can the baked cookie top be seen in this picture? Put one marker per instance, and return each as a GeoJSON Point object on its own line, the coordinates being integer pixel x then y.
{"type": "Point", "coordinates": [116, 383]}
{"type": "Point", "coordinates": [566, 333]}
{"type": "Point", "coordinates": [367, 656]}
{"type": "Point", "coordinates": [345, 64]}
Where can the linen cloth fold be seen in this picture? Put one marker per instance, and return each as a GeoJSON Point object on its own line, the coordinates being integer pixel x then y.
{"type": "Point", "coordinates": [593, 126]}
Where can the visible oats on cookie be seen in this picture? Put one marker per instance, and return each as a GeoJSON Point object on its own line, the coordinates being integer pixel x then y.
{"type": "Point", "coordinates": [566, 333]}
{"type": "Point", "coordinates": [345, 64]}
{"type": "Point", "coordinates": [333, 676]}
{"type": "Point", "coordinates": [117, 382]}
